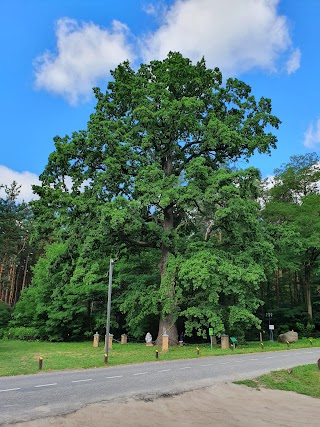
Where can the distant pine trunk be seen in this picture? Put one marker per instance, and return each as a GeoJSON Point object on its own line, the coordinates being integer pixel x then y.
{"type": "Point", "coordinates": [308, 291]}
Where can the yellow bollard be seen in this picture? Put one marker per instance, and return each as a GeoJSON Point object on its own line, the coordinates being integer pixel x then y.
{"type": "Point", "coordinates": [198, 351]}
{"type": "Point", "coordinates": [157, 354]}
{"type": "Point", "coordinates": [262, 345]}
{"type": "Point", "coordinates": [40, 363]}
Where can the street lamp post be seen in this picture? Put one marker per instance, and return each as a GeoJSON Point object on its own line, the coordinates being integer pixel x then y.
{"type": "Point", "coordinates": [109, 308]}
{"type": "Point", "coordinates": [269, 316]}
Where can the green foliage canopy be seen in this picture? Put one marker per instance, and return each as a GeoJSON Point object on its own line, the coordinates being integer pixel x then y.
{"type": "Point", "coordinates": [151, 173]}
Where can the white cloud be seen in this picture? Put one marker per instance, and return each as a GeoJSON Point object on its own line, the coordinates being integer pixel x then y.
{"type": "Point", "coordinates": [25, 179]}
{"type": "Point", "coordinates": [235, 35]}
{"type": "Point", "coordinates": [312, 135]}
{"type": "Point", "coordinates": [157, 10]}
{"type": "Point", "coordinates": [293, 62]}
{"type": "Point", "coordinates": [269, 181]}
{"type": "Point", "coordinates": [84, 54]}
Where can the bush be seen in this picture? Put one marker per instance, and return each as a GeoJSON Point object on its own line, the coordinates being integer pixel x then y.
{"type": "Point", "coordinates": [23, 333]}
{"type": "Point", "coordinates": [308, 331]}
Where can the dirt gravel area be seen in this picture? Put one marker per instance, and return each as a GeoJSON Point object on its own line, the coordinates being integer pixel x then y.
{"type": "Point", "coordinates": [226, 404]}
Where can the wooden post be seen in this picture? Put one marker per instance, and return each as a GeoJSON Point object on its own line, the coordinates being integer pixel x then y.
{"type": "Point", "coordinates": [224, 341]}
{"type": "Point", "coordinates": [165, 342]}
{"type": "Point", "coordinates": [96, 340]}
{"type": "Point", "coordinates": [109, 341]}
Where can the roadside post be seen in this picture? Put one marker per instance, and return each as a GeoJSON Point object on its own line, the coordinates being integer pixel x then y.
{"type": "Point", "coordinates": [211, 334]}
{"type": "Point", "coordinates": [271, 327]}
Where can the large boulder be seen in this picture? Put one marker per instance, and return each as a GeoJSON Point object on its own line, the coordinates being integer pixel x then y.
{"type": "Point", "coordinates": [289, 336]}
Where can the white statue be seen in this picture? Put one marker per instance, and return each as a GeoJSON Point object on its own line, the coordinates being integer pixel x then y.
{"type": "Point", "coordinates": [148, 339]}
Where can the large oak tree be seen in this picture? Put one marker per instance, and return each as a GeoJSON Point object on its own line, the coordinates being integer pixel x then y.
{"type": "Point", "coordinates": [152, 147]}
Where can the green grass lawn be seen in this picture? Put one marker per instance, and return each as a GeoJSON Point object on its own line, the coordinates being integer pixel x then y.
{"type": "Point", "coordinates": [301, 379]}
{"type": "Point", "coordinates": [21, 357]}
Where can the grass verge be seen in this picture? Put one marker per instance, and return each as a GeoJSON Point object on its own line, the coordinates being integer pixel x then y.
{"type": "Point", "coordinates": [21, 357]}
{"type": "Point", "coordinates": [301, 379]}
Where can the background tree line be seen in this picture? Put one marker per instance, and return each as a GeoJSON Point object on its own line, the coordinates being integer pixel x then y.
{"type": "Point", "coordinates": [152, 183]}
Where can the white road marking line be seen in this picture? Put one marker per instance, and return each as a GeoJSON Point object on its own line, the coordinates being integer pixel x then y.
{"type": "Point", "coordinates": [271, 357]}
{"type": "Point", "coordinates": [239, 361]}
{"type": "Point", "coordinates": [224, 363]}
{"type": "Point", "coordinates": [210, 364]}
{"type": "Point", "coordinates": [141, 373]}
{"type": "Point", "coordinates": [45, 385]}
{"type": "Point", "coordinates": [285, 355]}
{"type": "Point", "coordinates": [164, 370]}
{"type": "Point", "coordinates": [115, 376]}
{"type": "Point", "coordinates": [11, 389]}
{"type": "Point", "coordinates": [253, 359]}
{"type": "Point", "coordinates": [186, 367]}
{"type": "Point", "coordinates": [81, 381]}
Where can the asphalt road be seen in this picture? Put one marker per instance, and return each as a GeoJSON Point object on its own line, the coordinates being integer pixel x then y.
{"type": "Point", "coordinates": [29, 397]}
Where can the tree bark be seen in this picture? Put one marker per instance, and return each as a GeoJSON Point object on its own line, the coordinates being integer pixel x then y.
{"type": "Point", "coordinates": [277, 287]}
{"type": "Point", "coordinates": [308, 291]}
{"type": "Point", "coordinates": [167, 322]}
{"type": "Point", "coordinates": [309, 301]}
{"type": "Point", "coordinates": [167, 325]}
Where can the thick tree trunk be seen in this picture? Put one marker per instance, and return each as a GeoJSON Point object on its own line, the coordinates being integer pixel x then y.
{"type": "Point", "coordinates": [167, 323]}
{"type": "Point", "coordinates": [168, 326]}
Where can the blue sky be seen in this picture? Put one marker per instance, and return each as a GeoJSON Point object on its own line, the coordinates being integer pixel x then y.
{"type": "Point", "coordinates": [55, 51]}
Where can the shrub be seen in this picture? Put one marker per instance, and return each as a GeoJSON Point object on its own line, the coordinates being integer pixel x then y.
{"type": "Point", "coordinates": [23, 333]}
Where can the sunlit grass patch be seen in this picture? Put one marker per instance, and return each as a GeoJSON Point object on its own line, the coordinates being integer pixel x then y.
{"type": "Point", "coordinates": [300, 379]}
{"type": "Point", "coordinates": [248, 383]}
{"type": "Point", "coordinates": [21, 357]}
